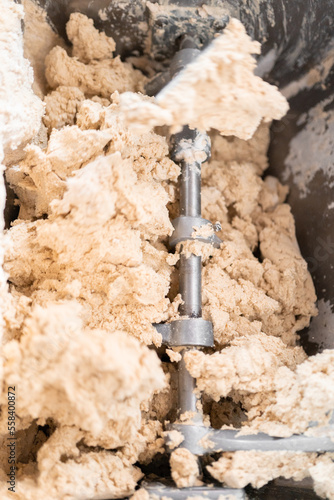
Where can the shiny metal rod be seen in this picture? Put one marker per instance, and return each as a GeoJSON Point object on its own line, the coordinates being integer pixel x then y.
{"type": "Point", "coordinates": [190, 270]}
{"type": "Point", "coordinates": [190, 189]}
{"type": "Point", "coordinates": [186, 386]}
{"type": "Point", "coordinates": [186, 144]}
{"type": "Point", "coordinates": [190, 282]}
{"type": "Point", "coordinates": [190, 285]}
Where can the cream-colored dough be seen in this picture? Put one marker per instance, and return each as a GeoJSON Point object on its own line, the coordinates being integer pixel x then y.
{"type": "Point", "coordinates": [184, 467]}
{"type": "Point", "coordinates": [243, 467]}
{"type": "Point", "coordinates": [53, 366]}
{"type": "Point", "coordinates": [91, 69]}
{"type": "Point", "coordinates": [62, 106]}
{"type": "Point", "coordinates": [96, 78]}
{"type": "Point", "coordinates": [247, 365]}
{"type": "Point", "coordinates": [175, 438]}
{"type": "Point", "coordinates": [65, 466]}
{"type": "Point", "coordinates": [220, 83]}
{"type": "Point", "coordinates": [89, 271]}
{"type": "Point", "coordinates": [20, 109]}
{"type": "Point", "coordinates": [88, 43]}
{"type": "Point", "coordinates": [39, 39]}
{"type": "Point", "coordinates": [260, 372]}
{"type": "Point", "coordinates": [173, 355]}
{"type": "Point", "coordinates": [20, 118]}
{"type": "Point", "coordinates": [121, 286]}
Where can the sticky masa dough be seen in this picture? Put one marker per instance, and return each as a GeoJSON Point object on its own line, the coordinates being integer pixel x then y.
{"type": "Point", "coordinates": [217, 91]}
{"type": "Point", "coordinates": [89, 273]}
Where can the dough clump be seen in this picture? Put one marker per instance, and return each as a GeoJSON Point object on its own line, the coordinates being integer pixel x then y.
{"type": "Point", "coordinates": [243, 467]}
{"type": "Point", "coordinates": [91, 68]}
{"type": "Point", "coordinates": [184, 466]}
{"type": "Point", "coordinates": [83, 415]}
{"type": "Point", "coordinates": [21, 110]}
{"type": "Point", "coordinates": [220, 83]}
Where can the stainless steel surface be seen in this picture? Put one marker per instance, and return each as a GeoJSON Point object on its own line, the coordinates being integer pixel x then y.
{"type": "Point", "coordinates": [186, 332]}
{"type": "Point", "coordinates": [190, 146]}
{"type": "Point", "coordinates": [157, 83]}
{"type": "Point", "coordinates": [180, 17]}
{"type": "Point", "coordinates": [190, 285]}
{"type": "Point", "coordinates": [212, 493]}
{"type": "Point", "coordinates": [313, 214]}
{"type": "Point", "coordinates": [190, 189]}
{"type": "Point", "coordinates": [138, 27]}
{"type": "Point", "coordinates": [186, 397]}
{"type": "Point", "coordinates": [185, 146]}
{"type": "Point", "coordinates": [227, 440]}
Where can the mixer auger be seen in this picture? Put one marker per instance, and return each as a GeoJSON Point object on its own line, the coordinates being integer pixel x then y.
{"type": "Point", "coordinates": [191, 148]}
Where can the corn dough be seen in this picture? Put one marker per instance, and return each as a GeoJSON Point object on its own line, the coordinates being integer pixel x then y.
{"type": "Point", "coordinates": [217, 91]}
{"type": "Point", "coordinates": [184, 467]}
{"type": "Point", "coordinates": [21, 110]}
{"type": "Point", "coordinates": [89, 272]}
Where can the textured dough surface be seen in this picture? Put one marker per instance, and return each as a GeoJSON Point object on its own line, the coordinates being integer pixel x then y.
{"type": "Point", "coordinates": [39, 39]}
{"type": "Point", "coordinates": [243, 467]}
{"type": "Point", "coordinates": [89, 272]}
{"type": "Point", "coordinates": [184, 467]}
{"type": "Point", "coordinates": [91, 67]}
{"type": "Point", "coordinates": [220, 83]}
{"type": "Point", "coordinates": [21, 110]}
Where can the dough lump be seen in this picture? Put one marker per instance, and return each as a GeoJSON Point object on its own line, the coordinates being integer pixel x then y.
{"type": "Point", "coordinates": [220, 83]}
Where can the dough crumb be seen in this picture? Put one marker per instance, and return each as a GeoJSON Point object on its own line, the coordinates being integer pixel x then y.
{"type": "Point", "coordinates": [174, 356]}
{"type": "Point", "coordinates": [88, 43]}
{"type": "Point", "coordinates": [184, 466]}
{"type": "Point", "coordinates": [140, 494]}
{"type": "Point", "coordinates": [174, 438]}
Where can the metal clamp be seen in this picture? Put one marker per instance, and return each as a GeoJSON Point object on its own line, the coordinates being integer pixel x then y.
{"type": "Point", "coordinates": [184, 229]}
{"type": "Point", "coordinates": [186, 332]}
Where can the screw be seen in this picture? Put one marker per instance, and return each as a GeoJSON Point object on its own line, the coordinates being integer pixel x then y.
{"type": "Point", "coordinates": [217, 227]}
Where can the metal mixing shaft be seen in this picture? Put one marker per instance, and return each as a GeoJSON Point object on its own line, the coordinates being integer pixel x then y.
{"type": "Point", "coordinates": [186, 146]}
{"type": "Point", "coordinates": [189, 148]}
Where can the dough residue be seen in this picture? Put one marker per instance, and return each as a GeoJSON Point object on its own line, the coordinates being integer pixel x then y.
{"type": "Point", "coordinates": [310, 150]}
